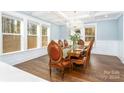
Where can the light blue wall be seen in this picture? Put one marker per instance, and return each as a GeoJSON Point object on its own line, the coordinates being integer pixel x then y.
{"type": "Point", "coordinates": [120, 28]}
{"type": "Point", "coordinates": [107, 30]}
{"type": "Point", "coordinates": [59, 32]}
{"type": "Point", "coordinates": [54, 32]}
{"type": "Point", "coordinates": [64, 32]}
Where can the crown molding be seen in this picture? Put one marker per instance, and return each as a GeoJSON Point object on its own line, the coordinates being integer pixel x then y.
{"type": "Point", "coordinates": [61, 14]}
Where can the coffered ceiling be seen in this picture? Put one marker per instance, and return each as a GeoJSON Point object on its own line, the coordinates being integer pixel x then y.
{"type": "Point", "coordinates": [61, 17]}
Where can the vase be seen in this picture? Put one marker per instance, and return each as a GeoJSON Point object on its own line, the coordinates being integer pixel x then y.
{"type": "Point", "coordinates": [74, 45]}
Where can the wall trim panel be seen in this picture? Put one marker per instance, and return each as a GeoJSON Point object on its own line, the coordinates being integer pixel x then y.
{"type": "Point", "coordinates": [109, 47]}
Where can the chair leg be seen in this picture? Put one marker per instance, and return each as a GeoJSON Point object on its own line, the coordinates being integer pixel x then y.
{"type": "Point", "coordinates": [62, 77]}
{"type": "Point", "coordinates": [50, 72]}
{"type": "Point", "coordinates": [72, 67]}
{"type": "Point", "coordinates": [85, 66]}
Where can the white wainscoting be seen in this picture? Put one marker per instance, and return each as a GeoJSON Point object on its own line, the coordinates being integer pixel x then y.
{"type": "Point", "coordinates": [109, 47]}
{"type": "Point", "coordinates": [19, 57]}
{"type": "Point", "coordinates": [121, 51]}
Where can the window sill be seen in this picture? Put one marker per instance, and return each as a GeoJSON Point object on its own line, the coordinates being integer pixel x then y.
{"type": "Point", "coordinates": [10, 53]}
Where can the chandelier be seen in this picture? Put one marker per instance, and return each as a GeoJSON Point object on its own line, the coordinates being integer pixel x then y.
{"type": "Point", "coordinates": [74, 24]}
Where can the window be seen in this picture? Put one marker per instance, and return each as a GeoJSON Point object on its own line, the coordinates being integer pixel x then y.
{"type": "Point", "coordinates": [11, 34]}
{"type": "Point", "coordinates": [44, 36]}
{"type": "Point", "coordinates": [32, 35]}
{"type": "Point", "coordinates": [89, 33]}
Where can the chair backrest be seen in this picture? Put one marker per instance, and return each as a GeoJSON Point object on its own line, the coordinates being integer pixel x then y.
{"type": "Point", "coordinates": [80, 42]}
{"type": "Point", "coordinates": [88, 53]}
{"type": "Point", "coordinates": [65, 43]}
{"type": "Point", "coordinates": [91, 45]}
{"type": "Point", "coordinates": [60, 43]}
{"type": "Point", "coordinates": [55, 52]}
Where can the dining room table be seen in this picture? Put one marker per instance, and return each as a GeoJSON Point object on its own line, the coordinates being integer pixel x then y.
{"type": "Point", "coordinates": [74, 52]}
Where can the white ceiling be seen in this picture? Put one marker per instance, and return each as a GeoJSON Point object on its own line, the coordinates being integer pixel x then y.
{"type": "Point", "coordinates": [61, 17]}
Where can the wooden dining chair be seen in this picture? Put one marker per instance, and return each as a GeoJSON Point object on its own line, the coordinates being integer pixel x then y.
{"type": "Point", "coordinates": [56, 58]}
{"type": "Point", "coordinates": [66, 44]}
{"type": "Point", "coordinates": [81, 43]}
{"type": "Point", "coordinates": [60, 43]}
{"type": "Point", "coordinates": [86, 59]}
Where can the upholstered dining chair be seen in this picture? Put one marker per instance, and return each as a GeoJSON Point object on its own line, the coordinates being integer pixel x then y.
{"type": "Point", "coordinates": [56, 58]}
{"type": "Point", "coordinates": [60, 43]}
{"type": "Point", "coordinates": [85, 60]}
{"type": "Point", "coordinates": [81, 43]}
{"type": "Point", "coordinates": [66, 44]}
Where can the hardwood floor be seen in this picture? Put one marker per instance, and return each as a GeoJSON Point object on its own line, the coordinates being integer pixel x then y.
{"type": "Point", "coordinates": [102, 69]}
